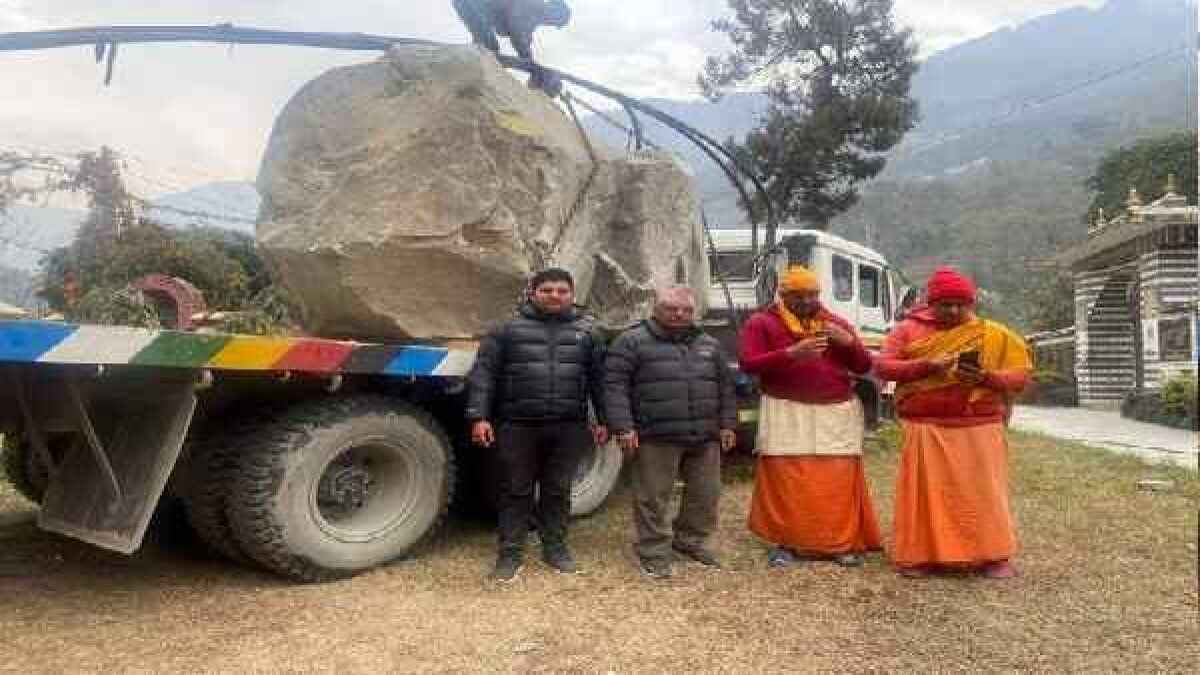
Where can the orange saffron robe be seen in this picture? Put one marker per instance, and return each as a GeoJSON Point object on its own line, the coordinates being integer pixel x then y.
{"type": "Point", "coordinates": [952, 499]}
{"type": "Point", "coordinates": [817, 505]}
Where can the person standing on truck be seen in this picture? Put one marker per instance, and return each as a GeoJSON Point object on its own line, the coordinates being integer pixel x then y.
{"type": "Point", "coordinates": [517, 20]}
{"type": "Point", "coordinates": [528, 397]}
{"type": "Point", "coordinates": [671, 405]}
{"type": "Point", "coordinates": [810, 493]}
{"type": "Point", "coordinates": [955, 373]}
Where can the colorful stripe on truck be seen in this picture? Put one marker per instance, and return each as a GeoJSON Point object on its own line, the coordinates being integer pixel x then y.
{"type": "Point", "coordinates": [47, 342]}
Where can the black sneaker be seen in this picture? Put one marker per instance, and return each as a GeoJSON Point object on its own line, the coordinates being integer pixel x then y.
{"type": "Point", "coordinates": [560, 559]}
{"type": "Point", "coordinates": [699, 554]}
{"type": "Point", "coordinates": [656, 568]}
{"type": "Point", "coordinates": [508, 565]}
{"type": "Point", "coordinates": [781, 556]}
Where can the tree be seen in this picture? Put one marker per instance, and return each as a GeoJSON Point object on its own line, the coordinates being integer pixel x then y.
{"type": "Point", "coordinates": [1145, 165]}
{"type": "Point", "coordinates": [88, 280]}
{"type": "Point", "coordinates": [110, 206]}
{"type": "Point", "coordinates": [17, 165]}
{"type": "Point", "coordinates": [837, 76]}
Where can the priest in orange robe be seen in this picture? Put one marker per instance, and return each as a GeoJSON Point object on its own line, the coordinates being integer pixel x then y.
{"type": "Point", "coordinates": [956, 375]}
{"type": "Point", "coordinates": [810, 494]}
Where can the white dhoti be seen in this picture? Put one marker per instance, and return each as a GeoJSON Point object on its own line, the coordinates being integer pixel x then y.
{"type": "Point", "coordinates": [787, 428]}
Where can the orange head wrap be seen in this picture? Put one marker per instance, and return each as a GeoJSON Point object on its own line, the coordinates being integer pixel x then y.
{"type": "Point", "coordinates": [798, 278]}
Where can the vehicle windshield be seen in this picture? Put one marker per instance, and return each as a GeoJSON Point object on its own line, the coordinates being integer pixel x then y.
{"type": "Point", "coordinates": [799, 248]}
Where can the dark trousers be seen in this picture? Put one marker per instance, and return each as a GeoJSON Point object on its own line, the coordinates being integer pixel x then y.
{"type": "Point", "coordinates": [656, 465]}
{"type": "Point", "coordinates": [545, 455]}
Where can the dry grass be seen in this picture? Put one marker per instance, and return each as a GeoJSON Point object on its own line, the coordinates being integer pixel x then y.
{"type": "Point", "coordinates": [1109, 584]}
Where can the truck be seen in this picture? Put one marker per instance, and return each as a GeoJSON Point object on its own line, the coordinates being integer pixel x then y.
{"type": "Point", "coordinates": [312, 458]}
{"type": "Point", "coordinates": [857, 283]}
{"type": "Point", "coordinates": [315, 459]}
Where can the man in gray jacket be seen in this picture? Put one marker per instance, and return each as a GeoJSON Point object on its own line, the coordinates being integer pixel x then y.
{"type": "Point", "coordinates": [670, 398]}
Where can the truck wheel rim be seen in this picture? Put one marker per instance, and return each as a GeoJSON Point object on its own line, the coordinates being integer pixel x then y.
{"type": "Point", "coordinates": [365, 490]}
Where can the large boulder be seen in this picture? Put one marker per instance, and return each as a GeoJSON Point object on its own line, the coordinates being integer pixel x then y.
{"type": "Point", "coordinates": [414, 196]}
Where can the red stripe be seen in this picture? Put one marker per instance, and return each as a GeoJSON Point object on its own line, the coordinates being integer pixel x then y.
{"type": "Point", "coordinates": [315, 356]}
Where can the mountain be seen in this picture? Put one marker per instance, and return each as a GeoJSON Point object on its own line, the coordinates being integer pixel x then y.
{"type": "Point", "coordinates": [28, 231]}
{"type": "Point", "coordinates": [231, 205]}
{"type": "Point", "coordinates": [1012, 124]}
{"type": "Point", "coordinates": [1061, 89]}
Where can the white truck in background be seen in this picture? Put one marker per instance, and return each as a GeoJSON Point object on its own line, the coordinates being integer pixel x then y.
{"type": "Point", "coordinates": [857, 283]}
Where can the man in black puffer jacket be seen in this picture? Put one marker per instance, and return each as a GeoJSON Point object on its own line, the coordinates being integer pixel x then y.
{"type": "Point", "coordinates": [529, 392]}
{"type": "Point", "coordinates": [670, 397]}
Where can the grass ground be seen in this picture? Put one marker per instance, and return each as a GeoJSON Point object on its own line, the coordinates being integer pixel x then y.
{"type": "Point", "coordinates": [1109, 583]}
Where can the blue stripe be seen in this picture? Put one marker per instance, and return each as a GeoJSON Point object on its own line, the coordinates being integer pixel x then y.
{"type": "Point", "coordinates": [26, 341]}
{"type": "Point", "coordinates": [415, 361]}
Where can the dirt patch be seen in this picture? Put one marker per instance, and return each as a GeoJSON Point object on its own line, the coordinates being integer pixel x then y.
{"type": "Point", "coordinates": [1109, 583]}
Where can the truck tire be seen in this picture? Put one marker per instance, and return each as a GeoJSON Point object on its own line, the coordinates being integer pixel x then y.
{"type": "Point", "coordinates": [331, 488]}
{"type": "Point", "coordinates": [24, 469]}
{"type": "Point", "coordinates": [595, 479]}
{"type": "Point", "coordinates": [211, 467]}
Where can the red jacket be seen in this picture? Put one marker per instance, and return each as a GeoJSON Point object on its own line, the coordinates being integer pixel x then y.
{"type": "Point", "coordinates": [762, 351]}
{"type": "Point", "coordinates": [948, 406]}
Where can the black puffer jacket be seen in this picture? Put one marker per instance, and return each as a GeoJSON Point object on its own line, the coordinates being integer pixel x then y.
{"type": "Point", "coordinates": [538, 368]}
{"type": "Point", "coordinates": [669, 388]}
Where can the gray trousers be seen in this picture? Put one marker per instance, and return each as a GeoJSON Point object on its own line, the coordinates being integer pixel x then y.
{"type": "Point", "coordinates": [655, 467]}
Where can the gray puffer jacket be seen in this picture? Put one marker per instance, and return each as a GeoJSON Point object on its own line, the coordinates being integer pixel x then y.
{"type": "Point", "coordinates": [670, 388]}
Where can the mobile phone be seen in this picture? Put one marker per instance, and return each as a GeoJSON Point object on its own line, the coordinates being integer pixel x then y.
{"type": "Point", "coordinates": [969, 360]}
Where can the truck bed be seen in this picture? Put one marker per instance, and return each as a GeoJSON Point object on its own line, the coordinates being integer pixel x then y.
{"type": "Point", "coordinates": [34, 342]}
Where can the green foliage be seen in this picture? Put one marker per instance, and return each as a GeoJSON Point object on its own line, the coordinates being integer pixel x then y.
{"type": "Point", "coordinates": [1175, 405]}
{"type": "Point", "coordinates": [144, 249]}
{"type": "Point", "coordinates": [998, 222]}
{"type": "Point", "coordinates": [1048, 300]}
{"type": "Point", "coordinates": [837, 75]}
{"type": "Point", "coordinates": [1179, 398]}
{"type": "Point", "coordinates": [1145, 165]}
{"type": "Point", "coordinates": [269, 312]}
{"type": "Point", "coordinates": [120, 306]}
{"type": "Point", "coordinates": [1051, 387]}
{"type": "Point", "coordinates": [114, 248]}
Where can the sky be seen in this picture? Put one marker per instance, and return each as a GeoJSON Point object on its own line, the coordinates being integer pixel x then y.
{"type": "Point", "coordinates": [187, 114]}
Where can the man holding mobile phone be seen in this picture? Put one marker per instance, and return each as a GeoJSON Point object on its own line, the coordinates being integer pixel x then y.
{"type": "Point", "coordinates": [956, 374]}
{"type": "Point", "coordinates": [810, 492]}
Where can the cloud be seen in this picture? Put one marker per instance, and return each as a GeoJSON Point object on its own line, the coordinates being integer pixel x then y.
{"type": "Point", "coordinates": [187, 114]}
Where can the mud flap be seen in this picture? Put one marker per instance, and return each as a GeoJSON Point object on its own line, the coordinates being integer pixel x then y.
{"type": "Point", "coordinates": [143, 431]}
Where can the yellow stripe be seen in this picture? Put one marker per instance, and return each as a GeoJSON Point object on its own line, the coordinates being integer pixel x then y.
{"type": "Point", "coordinates": [518, 123]}
{"type": "Point", "coordinates": [251, 353]}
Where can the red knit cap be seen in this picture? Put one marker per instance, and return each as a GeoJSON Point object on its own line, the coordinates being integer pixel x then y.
{"type": "Point", "coordinates": [948, 283]}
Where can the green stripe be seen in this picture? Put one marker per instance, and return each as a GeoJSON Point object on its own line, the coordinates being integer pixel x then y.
{"type": "Point", "coordinates": [181, 350]}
